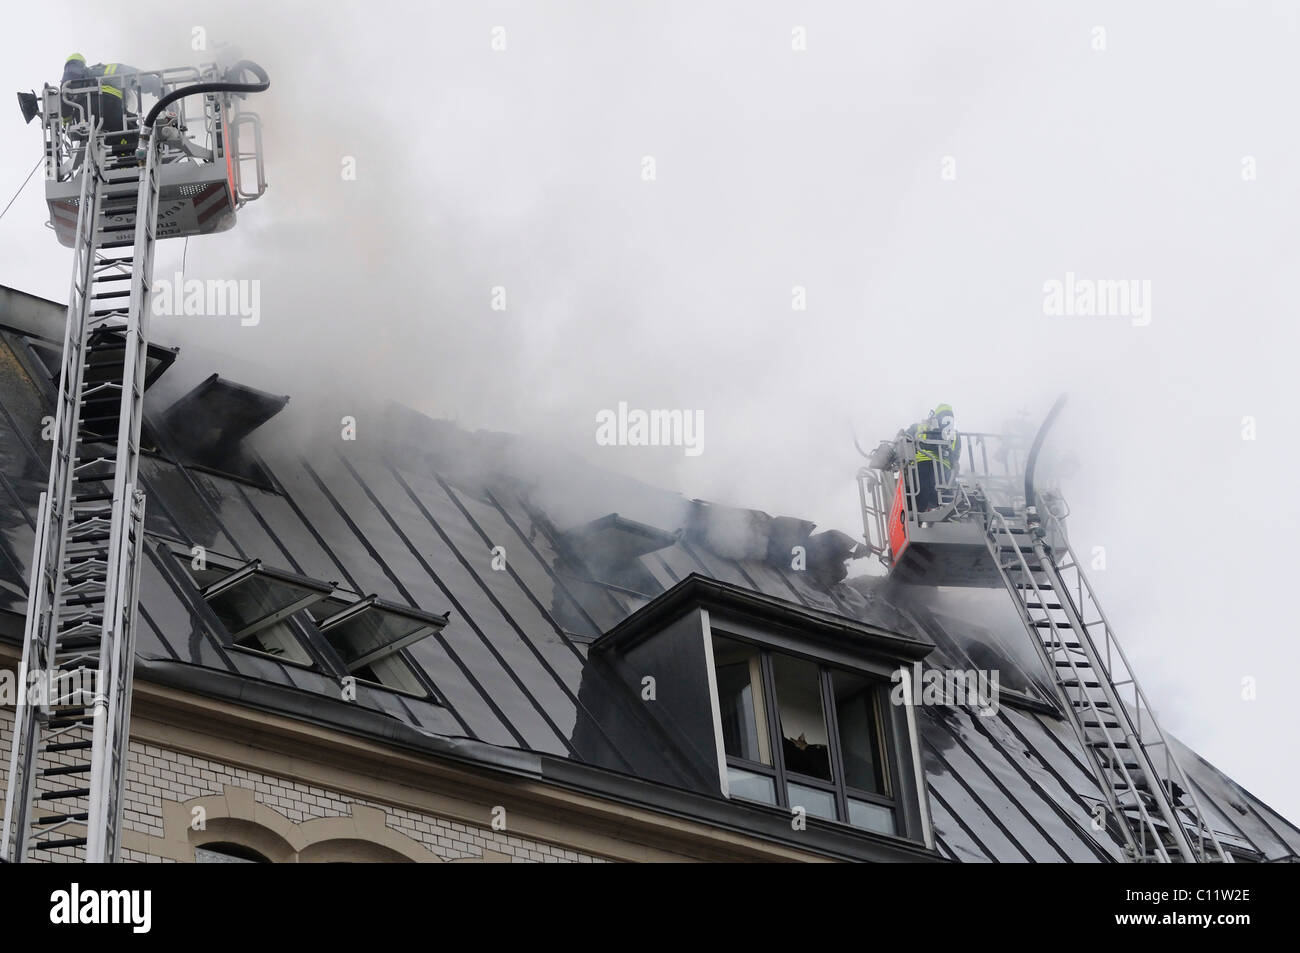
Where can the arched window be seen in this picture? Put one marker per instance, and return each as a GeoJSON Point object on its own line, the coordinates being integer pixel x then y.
{"type": "Point", "coordinates": [227, 853]}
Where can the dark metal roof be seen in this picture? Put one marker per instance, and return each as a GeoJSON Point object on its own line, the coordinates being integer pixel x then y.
{"type": "Point", "coordinates": [515, 681]}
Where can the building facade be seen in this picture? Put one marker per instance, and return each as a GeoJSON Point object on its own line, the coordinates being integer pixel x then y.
{"type": "Point", "coordinates": [421, 645]}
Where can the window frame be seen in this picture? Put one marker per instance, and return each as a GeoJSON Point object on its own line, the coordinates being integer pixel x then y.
{"type": "Point", "coordinates": [841, 792]}
{"type": "Point", "coordinates": [175, 556]}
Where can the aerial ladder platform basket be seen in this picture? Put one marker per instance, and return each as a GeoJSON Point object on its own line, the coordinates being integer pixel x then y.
{"type": "Point", "coordinates": [988, 524]}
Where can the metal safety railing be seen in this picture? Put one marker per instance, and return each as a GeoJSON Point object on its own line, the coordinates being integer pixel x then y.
{"type": "Point", "coordinates": [988, 466]}
{"type": "Point", "coordinates": [197, 119]}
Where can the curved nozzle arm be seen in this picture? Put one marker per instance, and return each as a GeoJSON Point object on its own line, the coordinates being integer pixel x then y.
{"type": "Point", "coordinates": [1032, 460]}
{"type": "Point", "coordinates": [225, 86]}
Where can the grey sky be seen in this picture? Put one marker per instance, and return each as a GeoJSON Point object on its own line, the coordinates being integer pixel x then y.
{"type": "Point", "coordinates": [819, 168]}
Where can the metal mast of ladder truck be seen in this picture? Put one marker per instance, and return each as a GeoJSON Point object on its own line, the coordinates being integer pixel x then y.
{"type": "Point", "coordinates": [116, 180]}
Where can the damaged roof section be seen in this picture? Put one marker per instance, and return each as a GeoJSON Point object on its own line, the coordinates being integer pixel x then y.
{"type": "Point", "coordinates": [527, 558]}
{"type": "Point", "coordinates": [208, 426]}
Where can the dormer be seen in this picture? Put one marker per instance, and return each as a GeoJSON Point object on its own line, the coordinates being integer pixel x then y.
{"type": "Point", "coordinates": [789, 708]}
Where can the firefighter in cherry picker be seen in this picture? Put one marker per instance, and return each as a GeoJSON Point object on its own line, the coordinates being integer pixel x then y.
{"type": "Point", "coordinates": [938, 450]}
{"type": "Point", "coordinates": [109, 103]}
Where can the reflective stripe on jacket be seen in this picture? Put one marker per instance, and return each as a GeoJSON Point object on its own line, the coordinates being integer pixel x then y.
{"type": "Point", "coordinates": [947, 453]}
{"type": "Point", "coordinates": [111, 69]}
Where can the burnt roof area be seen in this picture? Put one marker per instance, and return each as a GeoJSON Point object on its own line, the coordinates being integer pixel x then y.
{"type": "Point", "coordinates": [523, 589]}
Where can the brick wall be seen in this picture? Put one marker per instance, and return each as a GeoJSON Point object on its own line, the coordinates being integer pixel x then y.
{"type": "Point", "coordinates": [156, 774]}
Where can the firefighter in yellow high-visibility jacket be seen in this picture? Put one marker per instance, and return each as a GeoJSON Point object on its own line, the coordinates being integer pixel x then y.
{"type": "Point", "coordinates": [938, 448]}
{"type": "Point", "coordinates": [110, 104]}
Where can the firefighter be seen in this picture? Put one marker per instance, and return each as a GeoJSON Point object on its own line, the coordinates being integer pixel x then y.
{"type": "Point", "coordinates": [117, 79]}
{"type": "Point", "coordinates": [78, 76]}
{"type": "Point", "coordinates": [110, 104]}
{"type": "Point", "coordinates": [938, 448]}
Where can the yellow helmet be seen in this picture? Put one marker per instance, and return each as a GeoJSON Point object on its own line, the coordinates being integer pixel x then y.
{"type": "Point", "coordinates": [75, 56]}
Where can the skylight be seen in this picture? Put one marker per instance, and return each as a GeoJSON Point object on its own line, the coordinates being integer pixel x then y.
{"type": "Point", "coordinates": [254, 603]}
{"type": "Point", "coordinates": [371, 630]}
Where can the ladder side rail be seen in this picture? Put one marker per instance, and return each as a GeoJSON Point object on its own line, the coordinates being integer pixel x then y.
{"type": "Point", "coordinates": [1142, 703]}
{"type": "Point", "coordinates": [48, 576]}
{"type": "Point", "coordinates": [123, 680]}
{"type": "Point", "coordinates": [101, 835]}
{"type": "Point", "coordinates": [998, 525]}
{"type": "Point", "coordinates": [112, 693]}
{"type": "Point", "coordinates": [63, 453]}
{"type": "Point", "coordinates": [46, 584]}
{"type": "Point", "coordinates": [1120, 711]}
{"type": "Point", "coordinates": [68, 406]}
{"type": "Point", "coordinates": [19, 789]}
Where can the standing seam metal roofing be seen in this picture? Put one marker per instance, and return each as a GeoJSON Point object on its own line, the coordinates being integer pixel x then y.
{"type": "Point", "coordinates": [511, 668]}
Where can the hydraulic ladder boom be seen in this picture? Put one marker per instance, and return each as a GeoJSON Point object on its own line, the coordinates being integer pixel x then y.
{"type": "Point", "coordinates": [125, 188]}
{"type": "Point", "coordinates": [70, 732]}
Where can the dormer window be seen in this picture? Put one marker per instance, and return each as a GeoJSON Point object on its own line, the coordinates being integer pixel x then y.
{"type": "Point", "coordinates": [783, 707]}
{"type": "Point", "coordinates": [799, 734]}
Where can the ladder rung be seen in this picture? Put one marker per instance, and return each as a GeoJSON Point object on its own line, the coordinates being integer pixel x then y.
{"type": "Point", "coordinates": [61, 842]}
{"type": "Point", "coordinates": [101, 500]}
{"type": "Point", "coordinates": [89, 638]}
{"type": "Point", "coordinates": [64, 769]}
{"type": "Point", "coordinates": [65, 711]}
{"type": "Point", "coordinates": [61, 795]}
{"type": "Point", "coordinates": [70, 722]}
{"type": "Point", "coordinates": [90, 538]}
{"type": "Point", "coordinates": [62, 818]}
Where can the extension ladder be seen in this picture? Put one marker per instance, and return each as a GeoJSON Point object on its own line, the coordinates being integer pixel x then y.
{"type": "Point", "coordinates": [66, 767]}
{"type": "Point", "coordinates": [1140, 779]}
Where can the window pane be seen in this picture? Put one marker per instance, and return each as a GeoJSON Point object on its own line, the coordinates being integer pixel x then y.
{"type": "Point", "coordinates": [872, 817]}
{"type": "Point", "coordinates": [374, 629]}
{"type": "Point", "coordinates": [857, 706]}
{"type": "Point", "coordinates": [816, 803]}
{"type": "Point", "coordinates": [254, 599]}
{"type": "Point", "coordinates": [750, 786]}
{"type": "Point", "coordinates": [278, 639]}
{"type": "Point", "coordinates": [740, 699]}
{"type": "Point", "coordinates": [803, 725]}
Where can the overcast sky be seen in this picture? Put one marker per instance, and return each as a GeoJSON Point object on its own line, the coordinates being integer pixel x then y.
{"type": "Point", "coordinates": [922, 172]}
